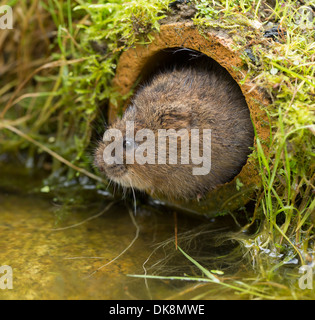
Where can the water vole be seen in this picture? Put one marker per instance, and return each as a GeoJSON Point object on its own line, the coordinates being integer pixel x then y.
{"type": "Point", "coordinates": [193, 97]}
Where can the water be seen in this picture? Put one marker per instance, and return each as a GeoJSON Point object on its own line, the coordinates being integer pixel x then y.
{"type": "Point", "coordinates": [90, 253]}
{"type": "Point", "coordinates": [55, 258]}
{"type": "Point", "coordinates": [58, 264]}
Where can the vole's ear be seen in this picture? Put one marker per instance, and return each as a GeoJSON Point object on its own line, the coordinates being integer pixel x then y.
{"type": "Point", "coordinates": [175, 119]}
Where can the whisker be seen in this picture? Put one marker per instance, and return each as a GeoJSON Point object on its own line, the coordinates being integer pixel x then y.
{"type": "Point", "coordinates": [134, 196]}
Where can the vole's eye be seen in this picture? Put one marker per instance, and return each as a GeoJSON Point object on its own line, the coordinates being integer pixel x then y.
{"type": "Point", "coordinates": [128, 144]}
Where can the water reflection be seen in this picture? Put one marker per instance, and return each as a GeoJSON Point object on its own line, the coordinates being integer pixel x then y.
{"type": "Point", "coordinates": [89, 254]}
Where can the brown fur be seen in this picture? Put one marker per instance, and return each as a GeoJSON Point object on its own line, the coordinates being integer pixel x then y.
{"type": "Point", "coordinates": [187, 97]}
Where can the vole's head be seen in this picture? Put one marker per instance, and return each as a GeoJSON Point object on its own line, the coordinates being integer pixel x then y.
{"type": "Point", "coordinates": [143, 150]}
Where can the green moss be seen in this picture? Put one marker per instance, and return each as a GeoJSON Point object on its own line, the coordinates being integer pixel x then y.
{"type": "Point", "coordinates": [284, 67]}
